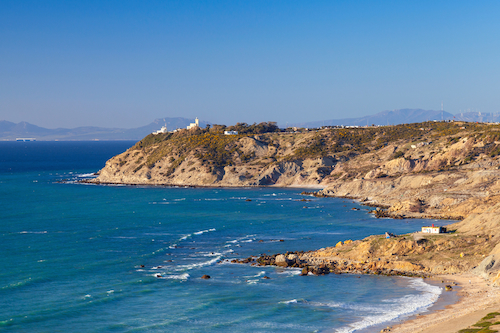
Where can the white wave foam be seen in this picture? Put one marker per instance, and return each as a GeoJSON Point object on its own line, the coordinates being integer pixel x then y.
{"type": "Point", "coordinates": [289, 302]}
{"type": "Point", "coordinates": [17, 284]}
{"type": "Point", "coordinates": [272, 194]}
{"type": "Point", "coordinates": [86, 175]}
{"type": "Point", "coordinates": [180, 199]}
{"type": "Point", "coordinates": [261, 273]}
{"type": "Point", "coordinates": [216, 254]}
{"type": "Point", "coordinates": [183, 277]}
{"type": "Point", "coordinates": [404, 306]}
{"type": "Point", "coordinates": [33, 232]}
{"type": "Point", "coordinates": [290, 271]}
{"type": "Point", "coordinates": [203, 231]}
{"type": "Point", "coordinates": [197, 233]}
{"type": "Point", "coordinates": [200, 264]}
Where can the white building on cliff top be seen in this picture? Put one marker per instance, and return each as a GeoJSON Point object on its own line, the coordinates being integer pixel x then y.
{"type": "Point", "coordinates": [162, 130]}
{"type": "Point", "coordinates": [194, 125]}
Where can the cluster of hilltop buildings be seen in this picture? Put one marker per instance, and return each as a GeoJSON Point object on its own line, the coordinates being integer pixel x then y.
{"type": "Point", "coordinates": [196, 124]}
{"type": "Point", "coordinates": [163, 129]}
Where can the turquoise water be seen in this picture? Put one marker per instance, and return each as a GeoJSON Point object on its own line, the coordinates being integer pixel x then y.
{"type": "Point", "coordinates": [79, 258]}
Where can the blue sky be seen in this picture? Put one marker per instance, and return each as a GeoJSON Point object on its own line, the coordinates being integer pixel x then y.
{"type": "Point", "coordinates": [125, 63]}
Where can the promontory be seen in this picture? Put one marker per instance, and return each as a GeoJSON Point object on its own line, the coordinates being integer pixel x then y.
{"type": "Point", "coordinates": [446, 170]}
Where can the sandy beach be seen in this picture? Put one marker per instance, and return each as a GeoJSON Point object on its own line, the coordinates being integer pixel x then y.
{"type": "Point", "coordinates": [477, 298]}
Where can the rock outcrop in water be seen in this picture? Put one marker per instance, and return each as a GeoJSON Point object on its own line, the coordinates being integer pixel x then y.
{"type": "Point", "coordinates": [410, 255]}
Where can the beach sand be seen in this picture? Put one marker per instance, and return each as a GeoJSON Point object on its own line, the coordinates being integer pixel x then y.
{"type": "Point", "coordinates": [477, 299]}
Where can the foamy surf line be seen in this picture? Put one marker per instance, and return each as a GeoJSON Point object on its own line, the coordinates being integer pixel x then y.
{"type": "Point", "coordinates": [197, 265]}
{"type": "Point", "coordinates": [203, 231]}
{"type": "Point", "coordinates": [399, 307]}
{"type": "Point", "coordinates": [244, 239]}
{"type": "Point", "coordinates": [197, 233]}
{"type": "Point", "coordinates": [182, 277]}
{"type": "Point", "coordinates": [86, 175]}
{"type": "Point", "coordinates": [389, 310]}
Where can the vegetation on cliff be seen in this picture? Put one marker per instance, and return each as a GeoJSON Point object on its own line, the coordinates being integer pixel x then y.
{"type": "Point", "coordinates": [431, 169]}
{"type": "Point", "coordinates": [343, 153]}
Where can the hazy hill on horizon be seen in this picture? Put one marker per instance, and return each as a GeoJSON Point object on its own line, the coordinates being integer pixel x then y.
{"type": "Point", "coordinates": [394, 117]}
{"type": "Point", "coordinates": [403, 116]}
{"type": "Point", "coordinates": [10, 131]}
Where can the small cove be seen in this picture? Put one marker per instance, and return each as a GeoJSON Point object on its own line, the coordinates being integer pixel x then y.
{"type": "Point", "coordinates": [74, 253]}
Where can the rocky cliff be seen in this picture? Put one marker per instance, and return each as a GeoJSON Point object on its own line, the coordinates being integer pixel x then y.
{"type": "Point", "coordinates": [432, 169]}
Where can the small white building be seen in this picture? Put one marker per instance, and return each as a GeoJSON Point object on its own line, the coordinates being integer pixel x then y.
{"type": "Point", "coordinates": [194, 125]}
{"type": "Point", "coordinates": [230, 132]}
{"type": "Point", "coordinates": [162, 130]}
{"type": "Point", "coordinates": [433, 230]}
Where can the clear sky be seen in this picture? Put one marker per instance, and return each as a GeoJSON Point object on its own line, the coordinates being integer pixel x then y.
{"type": "Point", "coordinates": [125, 63]}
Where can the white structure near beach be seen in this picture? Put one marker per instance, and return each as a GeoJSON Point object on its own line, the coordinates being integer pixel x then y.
{"type": "Point", "coordinates": [230, 132]}
{"type": "Point", "coordinates": [433, 230]}
{"type": "Point", "coordinates": [195, 124]}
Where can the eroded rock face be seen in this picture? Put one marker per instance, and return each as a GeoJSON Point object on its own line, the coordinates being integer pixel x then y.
{"type": "Point", "coordinates": [134, 167]}
{"type": "Point", "coordinates": [454, 177]}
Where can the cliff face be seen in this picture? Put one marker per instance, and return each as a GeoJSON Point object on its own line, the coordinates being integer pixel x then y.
{"type": "Point", "coordinates": [235, 161]}
{"type": "Point", "coordinates": [443, 170]}
{"type": "Point", "coordinates": [429, 169]}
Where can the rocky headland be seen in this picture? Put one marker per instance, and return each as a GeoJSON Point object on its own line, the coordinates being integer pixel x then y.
{"type": "Point", "coordinates": [446, 170]}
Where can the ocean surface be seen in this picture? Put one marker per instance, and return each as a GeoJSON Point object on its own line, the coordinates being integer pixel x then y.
{"type": "Point", "coordinates": [91, 258]}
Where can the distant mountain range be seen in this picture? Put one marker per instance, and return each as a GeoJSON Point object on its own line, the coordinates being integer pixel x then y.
{"type": "Point", "coordinates": [403, 116]}
{"type": "Point", "coordinates": [12, 131]}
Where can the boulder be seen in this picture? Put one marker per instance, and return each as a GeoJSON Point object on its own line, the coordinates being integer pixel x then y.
{"type": "Point", "coordinates": [280, 260]}
{"type": "Point", "coordinates": [319, 270]}
{"type": "Point", "coordinates": [490, 265]}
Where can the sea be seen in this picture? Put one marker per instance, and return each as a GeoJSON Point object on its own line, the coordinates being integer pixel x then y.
{"type": "Point", "coordinates": [77, 257]}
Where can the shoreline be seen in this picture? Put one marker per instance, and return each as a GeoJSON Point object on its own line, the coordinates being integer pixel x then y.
{"type": "Point", "coordinates": [298, 186]}
{"type": "Point", "coordinates": [319, 187]}
{"type": "Point", "coordinates": [476, 299]}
